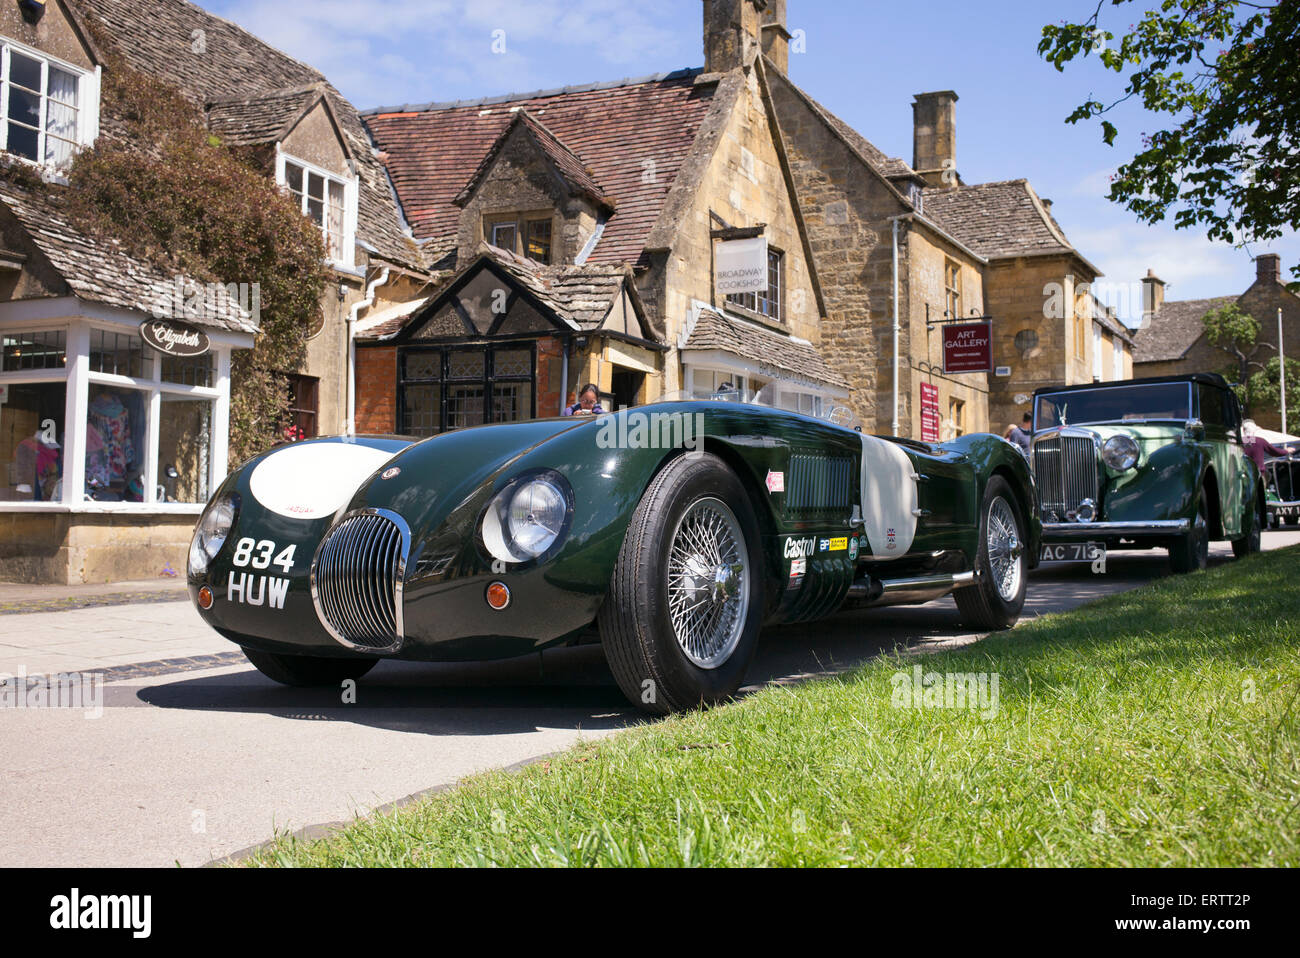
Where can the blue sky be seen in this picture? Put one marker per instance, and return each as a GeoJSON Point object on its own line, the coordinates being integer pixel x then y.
{"type": "Point", "coordinates": [864, 60]}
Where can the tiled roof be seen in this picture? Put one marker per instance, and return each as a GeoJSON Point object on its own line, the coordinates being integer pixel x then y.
{"type": "Point", "coordinates": [996, 220]}
{"type": "Point", "coordinates": [888, 166]}
{"type": "Point", "coordinates": [247, 121]}
{"type": "Point", "coordinates": [1175, 327]}
{"type": "Point", "coordinates": [566, 162]}
{"type": "Point", "coordinates": [158, 38]}
{"type": "Point", "coordinates": [630, 137]}
{"type": "Point", "coordinates": [101, 271]}
{"type": "Point", "coordinates": [581, 296]}
{"type": "Point", "coordinates": [769, 348]}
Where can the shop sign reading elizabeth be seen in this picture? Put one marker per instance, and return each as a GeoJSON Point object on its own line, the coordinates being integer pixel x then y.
{"type": "Point", "coordinates": [929, 412]}
{"type": "Point", "coordinates": [174, 338]}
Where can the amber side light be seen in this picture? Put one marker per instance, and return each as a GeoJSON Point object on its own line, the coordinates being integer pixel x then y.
{"type": "Point", "coordinates": [498, 595]}
{"type": "Point", "coordinates": [205, 598]}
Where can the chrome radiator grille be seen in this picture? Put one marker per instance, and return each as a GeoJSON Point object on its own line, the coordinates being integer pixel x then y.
{"type": "Point", "coordinates": [357, 580]}
{"type": "Point", "coordinates": [819, 483]}
{"type": "Point", "coordinates": [1065, 468]}
{"type": "Point", "coordinates": [1284, 475]}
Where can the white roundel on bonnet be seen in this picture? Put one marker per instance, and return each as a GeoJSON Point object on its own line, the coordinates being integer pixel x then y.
{"type": "Point", "coordinates": [888, 498]}
{"type": "Point", "coordinates": [312, 480]}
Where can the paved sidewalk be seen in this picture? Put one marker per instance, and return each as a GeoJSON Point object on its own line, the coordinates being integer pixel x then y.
{"type": "Point", "coordinates": [104, 637]}
{"type": "Point", "coordinates": [18, 597]}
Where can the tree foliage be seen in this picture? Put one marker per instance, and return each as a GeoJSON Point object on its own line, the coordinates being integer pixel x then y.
{"type": "Point", "coordinates": [1224, 75]}
{"type": "Point", "coordinates": [161, 184]}
{"type": "Point", "coordinates": [1236, 332]}
{"type": "Point", "coordinates": [1265, 387]}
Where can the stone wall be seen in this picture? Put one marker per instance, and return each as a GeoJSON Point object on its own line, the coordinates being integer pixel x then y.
{"type": "Point", "coordinates": [75, 549]}
{"type": "Point", "coordinates": [847, 210]}
{"type": "Point", "coordinates": [927, 257]}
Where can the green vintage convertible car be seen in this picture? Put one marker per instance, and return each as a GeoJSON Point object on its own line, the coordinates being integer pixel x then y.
{"type": "Point", "coordinates": [669, 533]}
{"type": "Point", "coordinates": [1146, 463]}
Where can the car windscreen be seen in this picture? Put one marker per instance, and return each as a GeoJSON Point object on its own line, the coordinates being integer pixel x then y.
{"type": "Point", "coordinates": [1113, 404]}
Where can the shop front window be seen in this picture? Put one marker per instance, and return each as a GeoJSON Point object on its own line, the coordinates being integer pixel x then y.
{"type": "Point", "coordinates": [184, 449]}
{"type": "Point", "coordinates": [146, 426]}
{"type": "Point", "coordinates": [31, 441]}
{"type": "Point", "coordinates": [116, 432]}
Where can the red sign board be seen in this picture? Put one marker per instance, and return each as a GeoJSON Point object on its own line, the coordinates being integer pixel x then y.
{"type": "Point", "coordinates": [929, 412]}
{"type": "Point", "coordinates": [968, 348]}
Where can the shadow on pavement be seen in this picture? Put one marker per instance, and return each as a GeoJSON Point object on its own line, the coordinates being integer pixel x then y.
{"type": "Point", "coordinates": [572, 687]}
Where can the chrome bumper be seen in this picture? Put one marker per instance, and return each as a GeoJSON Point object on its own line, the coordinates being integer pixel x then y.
{"type": "Point", "coordinates": [1084, 531]}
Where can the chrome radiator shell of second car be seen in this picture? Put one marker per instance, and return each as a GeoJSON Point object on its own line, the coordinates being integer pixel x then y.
{"type": "Point", "coordinates": [1066, 467]}
{"type": "Point", "coordinates": [356, 580]}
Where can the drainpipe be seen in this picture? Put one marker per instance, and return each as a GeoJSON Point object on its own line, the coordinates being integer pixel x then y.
{"type": "Point", "coordinates": [564, 375]}
{"type": "Point", "coordinates": [896, 326]}
{"type": "Point", "coordinates": [361, 304]}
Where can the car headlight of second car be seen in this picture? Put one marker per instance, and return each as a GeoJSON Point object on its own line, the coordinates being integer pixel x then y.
{"type": "Point", "coordinates": [1120, 452]}
{"type": "Point", "coordinates": [211, 532]}
{"type": "Point", "coordinates": [527, 518]}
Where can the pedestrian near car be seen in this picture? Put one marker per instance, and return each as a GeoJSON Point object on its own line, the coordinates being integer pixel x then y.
{"type": "Point", "coordinates": [1258, 448]}
{"type": "Point", "coordinates": [588, 403]}
{"type": "Point", "coordinates": [1021, 434]}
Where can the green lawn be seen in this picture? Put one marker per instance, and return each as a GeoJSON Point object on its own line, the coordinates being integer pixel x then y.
{"type": "Point", "coordinates": [1157, 727]}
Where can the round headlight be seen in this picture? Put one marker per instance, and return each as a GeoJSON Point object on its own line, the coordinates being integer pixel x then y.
{"type": "Point", "coordinates": [527, 518]}
{"type": "Point", "coordinates": [1120, 452]}
{"type": "Point", "coordinates": [210, 534]}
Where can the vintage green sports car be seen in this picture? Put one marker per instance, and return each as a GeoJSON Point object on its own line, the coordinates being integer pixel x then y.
{"type": "Point", "coordinates": [670, 533]}
{"type": "Point", "coordinates": [1146, 463]}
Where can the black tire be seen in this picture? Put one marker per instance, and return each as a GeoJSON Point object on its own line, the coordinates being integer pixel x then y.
{"type": "Point", "coordinates": [1292, 520]}
{"type": "Point", "coordinates": [651, 665]}
{"type": "Point", "coordinates": [307, 670]}
{"type": "Point", "coordinates": [1192, 552]}
{"type": "Point", "coordinates": [1250, 543]}
{"type": "Point", "coordinates": [994, 602]}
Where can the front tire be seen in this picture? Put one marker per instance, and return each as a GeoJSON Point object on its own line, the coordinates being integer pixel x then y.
{"type": "Point", "coordinates": [1001, 570]}
{"type": "Point", "coordinates": [306, 671]}
{"type": "Point", "coordinates": [685, 605]}
{"type": "Point", "coordinates": [1192, 552]}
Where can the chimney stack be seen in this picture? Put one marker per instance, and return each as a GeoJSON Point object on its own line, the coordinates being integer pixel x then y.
{"type": "Point", "coordinates": [1268, 268]}
{"type": "Point", "coordinates": [934, 138]}
{"type": "Point", "coordinates": [775, 35]}
{"type": "Point", "coordinates": [1153, 297]}
{"type": "Point", "coordinates": [731, 33]}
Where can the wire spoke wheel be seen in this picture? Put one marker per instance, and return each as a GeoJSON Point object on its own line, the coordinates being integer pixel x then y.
{"type": "Point", "coordinates": [708, 583]}
{"type": "Point", "coordinates": [1005, 550]}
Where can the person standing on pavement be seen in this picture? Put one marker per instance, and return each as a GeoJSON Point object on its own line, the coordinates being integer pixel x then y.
{"type": "Point", "coordinates": [1258, 448]}
{"type": "Point", "coordinates": [1021, 434]}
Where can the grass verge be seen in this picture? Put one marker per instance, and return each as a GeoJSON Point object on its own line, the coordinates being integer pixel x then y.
{"type": "Point", "coordinates": [1156, 727]}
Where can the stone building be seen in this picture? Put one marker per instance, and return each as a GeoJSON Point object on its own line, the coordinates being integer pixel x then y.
{"type": "Point", "coordinates": [109, 447]}
{"type": "Point", "coordinates": [1173, 341]}
{"type": "Point", "coordinates": [1048, 328]}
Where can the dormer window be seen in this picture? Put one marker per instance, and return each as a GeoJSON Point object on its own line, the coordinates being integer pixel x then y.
{"type": "Point", "coordinates": [523, 234]}
{"type": "Point", "coordinates": [47, 108]}
{"type": "Point", "coordinates": [328, 200]}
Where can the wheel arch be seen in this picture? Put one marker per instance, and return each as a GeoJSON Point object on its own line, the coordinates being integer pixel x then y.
{"type": "Point", "coordinates": [1213, 503]}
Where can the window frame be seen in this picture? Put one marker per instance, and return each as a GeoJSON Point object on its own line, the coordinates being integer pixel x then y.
{"type": "Point", "coordinates": [952, 288]}
{"type": "Point", "coordinates": [79, 381]}
{"type": "Point", "coordinates": [521, 222]}
{"type": "Point", "coordinates": [443, 383]}
{"type": "Point", "coordinates": [753, 302]}
{"type": "Point", "coordinates": [87, 102]}
{"type": "Point", "coordinates": [348, 241]}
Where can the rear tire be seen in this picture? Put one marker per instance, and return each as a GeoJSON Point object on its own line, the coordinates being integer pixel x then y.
{"type": "Point", "coordinates": [1250, 543]}
{"type": "Point", "coordinates": [1192, 552]}
{"type": "Point", "coordinates": [1001, 570]}
{"type": "Point", "coordinates": [685, 605]}
{"type": "Point", "coordinates": [307, 671]}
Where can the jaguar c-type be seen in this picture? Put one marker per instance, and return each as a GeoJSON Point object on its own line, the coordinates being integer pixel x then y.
{"type": "Point", "coordinates": [670, 533]}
